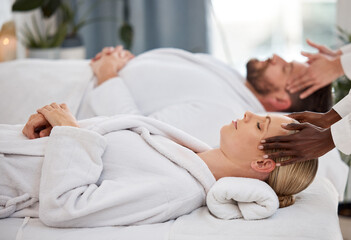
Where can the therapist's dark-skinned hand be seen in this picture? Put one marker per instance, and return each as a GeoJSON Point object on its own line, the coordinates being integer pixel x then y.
{"type": "Point", "coordinates": [311, 141]}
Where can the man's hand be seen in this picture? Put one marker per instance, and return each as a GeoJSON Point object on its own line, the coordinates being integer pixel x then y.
{"type": "Point", "coordinates": [109, 62]}
{"type": "Point", "coordinates": [322, 71]}
{"type": "Point", "coordinates": [309, 143]}
{"type": "Point", "coordinates": [323, 120]}
{"type": "Point", "coordinates": [37, 127]}
{"type": "Point", "coordinates": [58, 115]}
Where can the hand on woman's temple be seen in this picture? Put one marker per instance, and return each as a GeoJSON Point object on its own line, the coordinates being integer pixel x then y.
{"type": "Point", "coordinates": [323, 120]}
{"type": "Point", "coordinates": [308, 143]}
{"type": "Point", "coordinates": [37, 127]}
{"type": "Point", "coordinates": [109, 62]}
{"type": "Point", "coordinates": [58, 115]}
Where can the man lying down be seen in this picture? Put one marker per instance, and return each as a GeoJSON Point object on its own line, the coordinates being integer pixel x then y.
{"type": "Point", "coordinates": [193, 92]}
{"type": "Point", "coordinates": [131, 169]}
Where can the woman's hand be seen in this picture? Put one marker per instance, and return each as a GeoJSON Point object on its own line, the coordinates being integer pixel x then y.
{"type": "Point", "coordinates": [58, 115]}
{"type": "Point", "coordinates": [37, 127]}
{"type": "Point", "coordinates": [109, 62]}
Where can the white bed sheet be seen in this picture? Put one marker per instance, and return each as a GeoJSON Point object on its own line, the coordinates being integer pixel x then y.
{"type": "Point", "coordinates": [313, 216]}
{"type": "Point", "coordinates": [34, 229]}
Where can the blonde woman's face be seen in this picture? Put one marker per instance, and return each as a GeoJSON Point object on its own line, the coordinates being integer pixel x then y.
{"type": "Point", "coordinates": [240, 138]}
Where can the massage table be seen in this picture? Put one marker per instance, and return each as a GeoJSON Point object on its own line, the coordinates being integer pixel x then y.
{"type": "Point", "coordinates": [26, 85]}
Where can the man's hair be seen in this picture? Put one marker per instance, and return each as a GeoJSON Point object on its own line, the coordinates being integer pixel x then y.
{"type": "Point", "coordinates": [255, 76]}
{"type": "Point", "coordinates": [319, 101]}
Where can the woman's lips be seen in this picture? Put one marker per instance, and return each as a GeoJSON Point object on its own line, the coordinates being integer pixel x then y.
{"type": "Point", "coordinates": [235, 124]}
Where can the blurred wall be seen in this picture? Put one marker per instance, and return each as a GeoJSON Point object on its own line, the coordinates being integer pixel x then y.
{"type": "Point", "coordinates": [156, 23]}
{"type": "Point", "coordinates": [344, 14]}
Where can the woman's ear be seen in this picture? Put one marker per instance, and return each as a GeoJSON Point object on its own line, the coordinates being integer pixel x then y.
{"type": "Point", "coordinates": [263, 166]}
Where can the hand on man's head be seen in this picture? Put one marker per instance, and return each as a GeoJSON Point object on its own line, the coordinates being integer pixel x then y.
{"type": "Point", "coordinates": [324, 49]}
{"type": "Point", "coordinates": [322, 70]}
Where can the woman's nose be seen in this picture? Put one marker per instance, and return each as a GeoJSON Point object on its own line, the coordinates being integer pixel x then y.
{"type": "Point", "coordinates": [247, 116]}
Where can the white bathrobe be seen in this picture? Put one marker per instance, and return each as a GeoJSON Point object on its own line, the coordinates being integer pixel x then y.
{"type": "Point", "coordinates": [115, 171]}
{"type": "Point", "coordinates": [193, 92]}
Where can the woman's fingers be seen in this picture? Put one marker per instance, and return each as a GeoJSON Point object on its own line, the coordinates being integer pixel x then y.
{"type": "Point", "coordinates": [35, 124]}
{"type": "Point", "coordinates": [119, 48]}
{"type": "Point", "coordinates": [107, 50]}
{"type": "Point", "coordinates": [64, 106]}
{"type": "Point", "coordinates": [45, 132]}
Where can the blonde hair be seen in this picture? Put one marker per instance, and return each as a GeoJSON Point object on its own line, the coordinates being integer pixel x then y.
{"type": "Point", "coordinates": [291, 179]}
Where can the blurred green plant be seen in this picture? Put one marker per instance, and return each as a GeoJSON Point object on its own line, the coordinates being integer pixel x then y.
{"type": "Point", "coordinates": [37, 38]}
{"type": "Point", "coordinates": [126, 32]}
{"type": "Point", "coordinates": [67, 27]}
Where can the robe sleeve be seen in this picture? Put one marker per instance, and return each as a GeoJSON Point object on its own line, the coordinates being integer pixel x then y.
{"type": "Point", "coordinates": [111, 98]}
{"type": "Point", "coordinates": [70, 195]}
{"type": "Point", "coordinates": [346, 59]}
{"type": "Point", "coordinates": [343, 107]}
{"type": "Point", "coordinates": [341, 133]}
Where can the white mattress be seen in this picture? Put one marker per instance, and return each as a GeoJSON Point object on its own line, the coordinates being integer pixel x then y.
{"type": "Point", "coordinates": [313, 216]}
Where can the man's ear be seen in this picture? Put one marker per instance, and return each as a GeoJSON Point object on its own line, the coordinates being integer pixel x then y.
{"type": "Point", "coordinates": [263, 166]}
{"type": "Point", "coordinates": [279, 103]}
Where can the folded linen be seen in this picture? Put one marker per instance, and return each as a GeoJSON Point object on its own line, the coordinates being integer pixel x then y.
{"type": "Point", "coordinates": [247, 198]}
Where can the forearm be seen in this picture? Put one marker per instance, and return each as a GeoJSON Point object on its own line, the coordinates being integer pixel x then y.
{"type": "Point", "coordinates": [72, 165]}
{"type": "Point", "coordinates": [111, 98]}
{"type": "Point", "coordinates": [331, 117]}
{"type": "Point", "coordinates": [106, 72]}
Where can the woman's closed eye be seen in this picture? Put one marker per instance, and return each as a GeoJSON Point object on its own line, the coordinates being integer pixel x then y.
{"type": "Point", "coordinates": [260, 125]}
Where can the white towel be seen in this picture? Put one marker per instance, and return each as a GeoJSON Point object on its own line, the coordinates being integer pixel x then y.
{"type": "Point", "coordinates": [246, 198]}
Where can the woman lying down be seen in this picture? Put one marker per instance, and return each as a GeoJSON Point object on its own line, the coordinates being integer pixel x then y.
{"type": "Point", "coordinates": [130, 169]}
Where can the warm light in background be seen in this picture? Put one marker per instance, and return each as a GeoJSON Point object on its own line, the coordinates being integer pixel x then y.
{"type": "Point", "coordinates": [6, 41]}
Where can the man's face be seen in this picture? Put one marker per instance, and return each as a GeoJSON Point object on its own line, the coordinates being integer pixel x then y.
{"type": "Point", "coordinates": [273, 74]}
